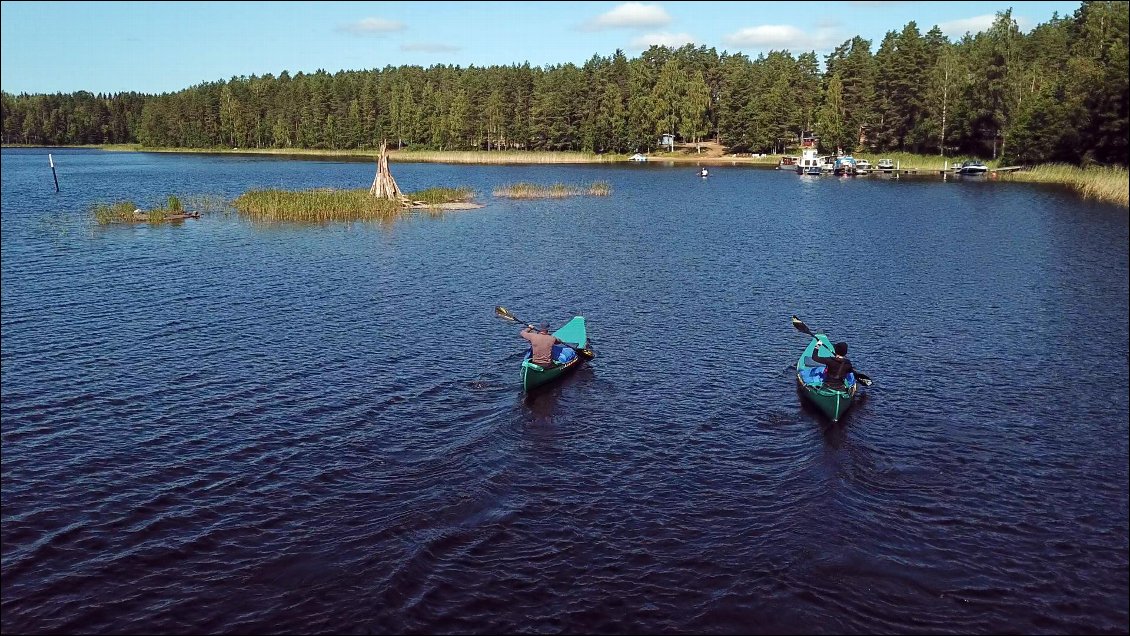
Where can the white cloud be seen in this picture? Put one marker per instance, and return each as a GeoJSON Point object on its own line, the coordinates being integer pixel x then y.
{"type": "Point", "coordinates": [673, 40]}
{"type": "Point", "coordinates": [957, 28]}
{"type": "Point", "coordinates": [976, 24]}
{"type": "Point", "coordinates": [782, 37]}
{"type": "Point", "coordinates": [372, 26]}
{"type": "Point", "coordinates": [425, 47]}
{"type": "Point", "coordinates": [630, 15]}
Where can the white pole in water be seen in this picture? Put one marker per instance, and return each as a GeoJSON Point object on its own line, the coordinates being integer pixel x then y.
{"type": "Point", "coordinates": [51, 160]}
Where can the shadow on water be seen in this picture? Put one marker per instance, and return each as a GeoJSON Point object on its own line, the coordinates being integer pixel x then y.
{"type": "Point", "coordinates": [542, 402]}
{"type": "Point", "coordinates": [834, 432]}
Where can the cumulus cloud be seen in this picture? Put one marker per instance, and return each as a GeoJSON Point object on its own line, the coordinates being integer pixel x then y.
{"type": "Point", "coordinates": [633, 15]}
{"type": "Point", "coordinates": [372, 26]}
{"type": "Point", "coordinates": [673, 40]}
{"type": "Point", "coordinates": [425, 47]}
{"type": "Point", "coordinates": [976, 24]}
{"type": "Point", "coordinates": [781, 37]}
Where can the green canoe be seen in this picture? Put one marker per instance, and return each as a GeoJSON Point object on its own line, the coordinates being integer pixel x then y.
{"type": "Point", "coordinates": [810, 382]}
{"type": "Point", "coordinates": [565, 358]}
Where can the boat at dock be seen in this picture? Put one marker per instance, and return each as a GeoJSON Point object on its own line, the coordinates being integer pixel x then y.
{"type": "Point", "coordinates": [863, 166]}
{"type": "Point", "coordinates": [844, 166]}
{"type": "Point", "coordinates": [886, 165]}
{"type": "Point", "coordinates": [971, 168]}
{"type": "Point", "coordinates": [809, 162]}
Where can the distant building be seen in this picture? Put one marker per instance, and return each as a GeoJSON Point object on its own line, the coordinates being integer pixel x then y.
{"type": "Point", "coordinates": [667, 140]}
{"type": "Point", "coordinates": [809, 140]}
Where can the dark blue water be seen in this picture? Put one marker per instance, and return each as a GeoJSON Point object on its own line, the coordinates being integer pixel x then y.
{"type": "Point", "coordinates": [223, 427]}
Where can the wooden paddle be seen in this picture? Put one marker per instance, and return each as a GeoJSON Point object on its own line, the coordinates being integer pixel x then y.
{"type": "Point", "coordinates": [803, 328]}
{"type": "Point", "coordinates": [505, 314]}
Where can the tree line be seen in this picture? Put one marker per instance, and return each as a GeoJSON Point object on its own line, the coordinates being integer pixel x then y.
{"type": "Point", "coordinates": [1057, 93]}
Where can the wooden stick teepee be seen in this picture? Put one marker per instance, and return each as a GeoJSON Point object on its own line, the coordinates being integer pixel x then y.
{"type": "Point", "coordinates": [384, 186]}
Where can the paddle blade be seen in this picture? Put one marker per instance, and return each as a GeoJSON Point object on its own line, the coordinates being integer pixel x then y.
{"type": "Point", "coordinates": [801, 327]}
{"type": "Point", "coordinates": [505, 314]}
{"type": "Point", "coordinates": [861, 378]}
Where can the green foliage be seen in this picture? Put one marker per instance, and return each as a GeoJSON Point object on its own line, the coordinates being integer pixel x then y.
{"type": "Point", "coordinates": [1057, 93]}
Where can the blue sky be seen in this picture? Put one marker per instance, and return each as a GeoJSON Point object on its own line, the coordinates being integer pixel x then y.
{"type": "Point", "coordinates": [156, 47]}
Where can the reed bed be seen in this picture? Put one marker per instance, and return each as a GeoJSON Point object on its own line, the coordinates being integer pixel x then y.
{"type": "Point", "coordinates": [128, 212]}
{"type": "Point", "coordinates": [1106, 184]}
{"type": "Point", "coordinates": [326, 205]}
{"type": "Point", "coordinates": [117, 212]}
{"type": "Point", "coordinates": [315, 206]}
{"type": "Point", "coordinates": [436, 196]}
{"type": "Point", "coordinates": [555, 191]}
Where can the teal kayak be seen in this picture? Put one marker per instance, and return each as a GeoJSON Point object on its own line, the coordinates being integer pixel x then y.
{"type": "Point", "coordinates": [565, 358]}
{"type": "Point", "coordinates": [810, 382]}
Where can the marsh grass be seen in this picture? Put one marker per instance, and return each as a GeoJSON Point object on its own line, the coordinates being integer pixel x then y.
{"type": "Point", "coordinates": [325, 205]}
{"type": "Point", "coordinates": [127, 211]}
{"type": "Point", "coordinates": [555, 191]}
{"type": "Point", "coordinates": [435, 196]}
{"type": "Point", "coordinates": [1109, 185]}
{"type": "Point", "coordinates": [118, 212]}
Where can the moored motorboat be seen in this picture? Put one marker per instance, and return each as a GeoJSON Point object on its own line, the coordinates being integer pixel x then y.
{"type": "Point", "coordinates": [971, 168]}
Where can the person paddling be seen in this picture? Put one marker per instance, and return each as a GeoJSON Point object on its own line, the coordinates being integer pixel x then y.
{"type": "Point", "coordinates": [837, 366]}
{"type": "Point", "coordinates": [541, 344]}
{"type": "Point", "coordinates": [704, 173]}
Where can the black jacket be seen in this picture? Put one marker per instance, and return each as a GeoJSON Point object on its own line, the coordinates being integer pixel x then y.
{"type": "Point", "coordinates": [838, 368]}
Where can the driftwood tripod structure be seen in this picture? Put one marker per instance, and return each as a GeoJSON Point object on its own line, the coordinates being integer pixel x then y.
{"type": "Point", "coordinates": [384, 186]}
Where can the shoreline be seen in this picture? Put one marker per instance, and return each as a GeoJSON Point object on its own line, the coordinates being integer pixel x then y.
{"type": "Point", "coordinates": [1103, 184]}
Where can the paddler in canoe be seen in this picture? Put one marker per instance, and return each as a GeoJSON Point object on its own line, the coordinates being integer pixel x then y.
{"type": "Point", "coordinates": [550, 355]}
{"type": "Point", "coordinates": [829, 381]}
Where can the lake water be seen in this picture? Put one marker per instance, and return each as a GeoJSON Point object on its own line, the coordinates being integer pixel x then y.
{"type": "Point", "coordinates": [221, 427]}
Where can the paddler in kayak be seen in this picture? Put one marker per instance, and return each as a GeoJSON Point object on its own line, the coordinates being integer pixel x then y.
{"type": "Point", "coordinates": [541, 344]}
{"type": "Point", "coordinates": [837, 366]}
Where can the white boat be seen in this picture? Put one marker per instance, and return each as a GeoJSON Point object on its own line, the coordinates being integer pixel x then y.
{"type": "Point", "coordinates": [809, 162]}
{"type": "Point", "coordinates": [862, 166]}
{"type": "Point", "coordinates": [886, 165]}
{"type": "Point", "coordinates": [971, 167]}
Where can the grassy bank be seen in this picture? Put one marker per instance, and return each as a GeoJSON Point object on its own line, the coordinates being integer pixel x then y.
{"type": "Point", "coordinates": [1109, 185]}
{"type": "Point", "coordinates": [555, 191]}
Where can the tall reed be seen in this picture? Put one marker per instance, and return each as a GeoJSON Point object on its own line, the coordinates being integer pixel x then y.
{"type": "Point", "coordinates": [1107, 184]}
{"type": "Point", "coordinates": [118, 212]}
{"type": "Point", "coordinates": [316, 206]}
{"type": "Point", "coordinates": [435, 196]}
{"type": "Point", "coordinates": [324, 204]}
